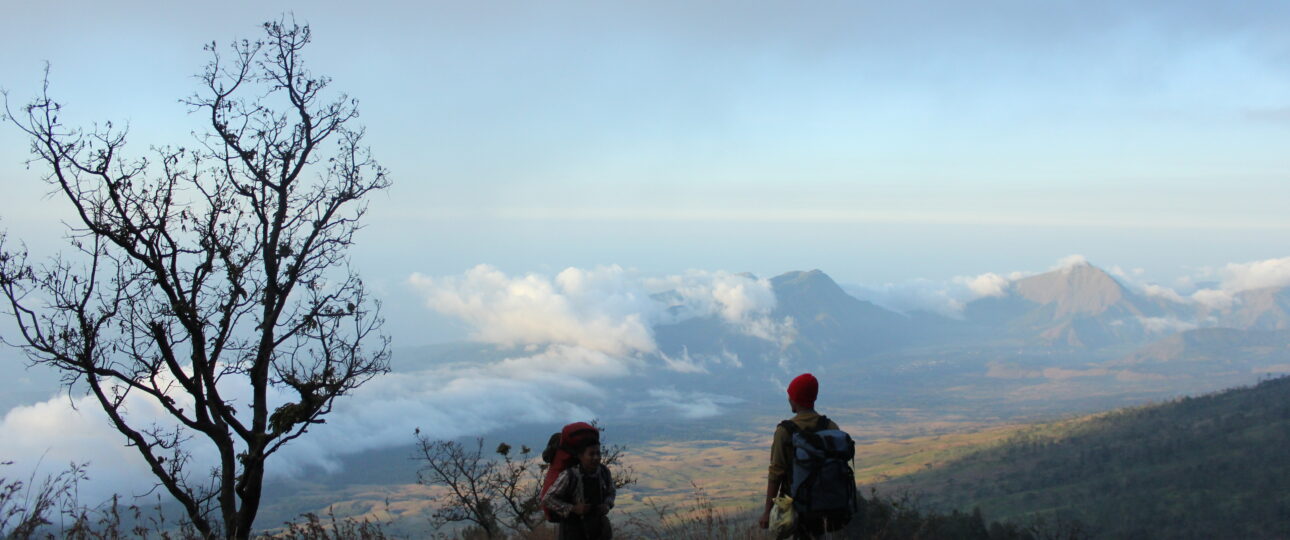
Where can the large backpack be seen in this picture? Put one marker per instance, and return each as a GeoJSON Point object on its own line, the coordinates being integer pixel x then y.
{"type": "Point", "coordinates": [821, 481]}
{"type": "Point", "coordinates": [560, 455]}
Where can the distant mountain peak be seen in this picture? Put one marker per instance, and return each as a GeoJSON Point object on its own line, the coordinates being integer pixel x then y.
{"type": "Point", "coordinates": [799, 278]}
{"type": "Point", "coordinates": [1077, 289]}
{"type": "Point", "coordinates": [826, 316]}
{"type": "Point", "coordinates": [1078, 265]}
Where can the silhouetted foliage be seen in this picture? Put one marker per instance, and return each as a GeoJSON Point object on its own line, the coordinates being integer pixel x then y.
{"type": "Point", "coordinates": [53, 511]}
{"type": "Point", "coordinates": [878, 518]}
{"type": "Point", "coordinates": [698, 520]}
{"type": "Point", "coordinates": [497, 495]}
{"type": "Point", "coordinates": [312, 527]}
{"type": "Point", "coordinates": [901, 517]}
{"type": "Point", "coordinates": [25, 508]}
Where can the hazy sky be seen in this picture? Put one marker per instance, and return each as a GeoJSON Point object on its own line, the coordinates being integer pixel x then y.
{"type": "Point", "coordinates": [880, 142]}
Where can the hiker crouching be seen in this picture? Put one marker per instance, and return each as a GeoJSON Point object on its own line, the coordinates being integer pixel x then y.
{"type": "Point", "coordinates": [582, 496]}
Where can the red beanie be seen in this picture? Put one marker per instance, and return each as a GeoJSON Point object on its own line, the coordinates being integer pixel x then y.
{"type": "Point", "coordinates": [579, 435]}
{"type": "Point", "coordinates": [803, 390]}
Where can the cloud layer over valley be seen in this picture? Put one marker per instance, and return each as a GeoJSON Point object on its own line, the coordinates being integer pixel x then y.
{"type": "Point", "coordinates": [585, 343]}
{"type": "Point", "coordinates": [557, 346]}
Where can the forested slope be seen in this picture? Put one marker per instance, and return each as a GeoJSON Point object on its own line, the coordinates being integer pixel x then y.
{"type": "Point", "coordinates": [1199, 467]}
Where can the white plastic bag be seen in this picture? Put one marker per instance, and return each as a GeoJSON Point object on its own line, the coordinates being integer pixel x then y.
{"type": "Point", "coordinates": [783, 520]}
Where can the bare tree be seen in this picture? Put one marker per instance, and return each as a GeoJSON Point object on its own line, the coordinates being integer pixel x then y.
{"type": "Point", "coordinates": [518, 481]}
{"type": "Point", "coordinates": [212, 281]}
{"type": "Point", "coordinates": [471, 479]}
{"type": "Point", "coordinates": [493, 493]}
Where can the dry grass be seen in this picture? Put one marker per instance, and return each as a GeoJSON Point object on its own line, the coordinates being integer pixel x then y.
{"type": "Point", "coordinates": [730, 474]}
{"type": "Point", "coordinates": [711, 486]}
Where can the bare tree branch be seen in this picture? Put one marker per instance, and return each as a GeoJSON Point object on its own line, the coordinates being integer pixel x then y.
{"type": "Point", "coordinates": [495, 492]}
{"type": "Point", "coordinates": [196, 271]}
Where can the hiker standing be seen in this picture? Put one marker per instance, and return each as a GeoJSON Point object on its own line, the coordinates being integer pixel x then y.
{"type": "Point", "coordinates": [808, 461]}
{"type": "Point", "coordinates": [583, 493]}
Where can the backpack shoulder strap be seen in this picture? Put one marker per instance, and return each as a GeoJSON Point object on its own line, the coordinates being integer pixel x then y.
{"type": "Point", "coordinates": [552, 444]}
{"type": "Point", "coordinates": [790, 427]}
{"type": "Point", "coordinates": [786, 487]}
{"type": "Point", "coordinates": [822, 424]}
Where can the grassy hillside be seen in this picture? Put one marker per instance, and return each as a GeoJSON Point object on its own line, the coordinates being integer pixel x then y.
{"type": "Point", "coordinates": [1203, 467]}
{"type": "Point", "coordinates": [1200, 467]}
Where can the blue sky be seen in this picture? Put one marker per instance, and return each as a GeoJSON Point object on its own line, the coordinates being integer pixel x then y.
{"type": "Point", "coordinates": [879, 142]}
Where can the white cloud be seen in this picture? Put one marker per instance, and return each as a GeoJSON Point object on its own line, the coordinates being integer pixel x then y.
{"type": "Point", "coordinates": [909, 296]}
{"type": "Point", "coordinates": [1165, 325]}
{"type": "Point", "coordinates": [740, 300]}
{"type": "Point", "coordinates": [689, 405]}
{"type": "Point", "coordinates": [574, 332]}
{"type": "Point", "coordinates": [44, 437]}
{"type": "Point", "coordinates": [944, 298]}
{"type": "Point", "coordinates": [1232, 279]}
{"type": "Point", "coordinates": [1071, 261]}
{"type": "Point", "coordinates": [1235, 278]}
{"type": "Point", "coordinates": [987, 284]}
{"type": "Point", "coordinates": [564, 360]}
{"type": "Point", "coordinates": [1256, 275]}
{"type": "Point", "coordinates": [781, 332]}
{"type": "Point", "coordinates": [455, 401]}
{"type": "Point", "coordinates": [686, 362]}
{"type": "Point", "coordinates": [1214, 299]}
{"type": "Point", "coordinates": [67, 429]}
{"type": "Point", "coordinates": [597, 309]}
{"type": "Point", "coordinates": [1134, 279]}
{"type": "Point", "coordinates": [740, 296]}
{"type": "Point", "coordinates": [1185, 283]}
{"type": "Point", "coordinates": [605, 309]}
{"type": "Point", "coordinates": [683, 363]}
{"type": "Point", "coordinates": [1130, 274]}
{"type": "Point", "coordinates": [585, 324]}
{"type": "Point", "coordinates": [555, 385]}
{"type": "Point", "coordinates": [692, 363]}
{"type": "Point", "coordinates": [1166, 293]}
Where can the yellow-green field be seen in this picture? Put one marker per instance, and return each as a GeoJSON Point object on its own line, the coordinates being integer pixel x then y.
{"type": "Point", "coordinates": [731, 472]}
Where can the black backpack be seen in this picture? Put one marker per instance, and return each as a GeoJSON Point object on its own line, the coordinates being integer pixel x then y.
{"type": "Point", "coordinates": [821, 481]}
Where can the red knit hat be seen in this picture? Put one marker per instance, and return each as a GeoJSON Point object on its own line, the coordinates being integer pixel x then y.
{"type": "Point", "coordinates": [579, 435]}
{"type": "Point", "coordinates": [803, 390]}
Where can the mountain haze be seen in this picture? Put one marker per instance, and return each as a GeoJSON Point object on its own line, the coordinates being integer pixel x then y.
{"type": "Point", "coordinates": [1217, 348]}
{"type": "Point", "coordinates": [831, 322]}
{"type": "Point", "coordinates": [1267, 308]}
{"type": "Point", "coordinates": [1072, 340]}
{"type": "Point", "coordinates": [1076, 325]}
{"type": "Point", "coordinates": [1077, 306]}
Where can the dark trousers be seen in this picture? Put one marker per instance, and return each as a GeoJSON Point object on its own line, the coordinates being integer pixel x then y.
{"type": "Point", "coordinates": [809, 529]}
{"type": "Point", "coordinates": [577, 527]}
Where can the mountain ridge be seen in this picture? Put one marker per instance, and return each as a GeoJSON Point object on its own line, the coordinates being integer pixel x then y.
{"type": "Point", "coordinates": [1197, 467]}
